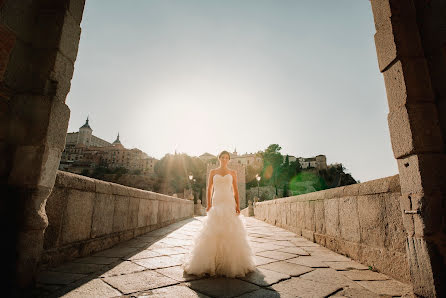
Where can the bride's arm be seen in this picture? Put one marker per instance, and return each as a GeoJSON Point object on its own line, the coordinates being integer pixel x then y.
{"type": "Point", "coordinates": [209, 190]}
{"type": "Point", "coordinates": [235, 188]}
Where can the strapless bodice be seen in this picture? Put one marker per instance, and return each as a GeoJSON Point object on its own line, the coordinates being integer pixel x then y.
{"type": "Point", "coordinates": [223, 192]}
{"type": "Point", "coordinates": [222, 183]}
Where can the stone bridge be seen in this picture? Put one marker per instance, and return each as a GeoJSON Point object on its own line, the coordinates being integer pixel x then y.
{"type": "Point", "coordinates": [149, 266]}
{"type": "Point", "coordinates": [376, 226]}
{"type": "Point", "coordinates": [107, 240]}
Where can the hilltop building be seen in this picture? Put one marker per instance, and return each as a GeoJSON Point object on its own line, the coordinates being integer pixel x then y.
{"type": "Point", "coordinates": [84, 151]}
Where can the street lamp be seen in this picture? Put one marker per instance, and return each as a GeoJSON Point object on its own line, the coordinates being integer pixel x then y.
{"type": "Point", "coordinates": [258, 179]}
{"type": "Point", "coordinates": [191, 179]}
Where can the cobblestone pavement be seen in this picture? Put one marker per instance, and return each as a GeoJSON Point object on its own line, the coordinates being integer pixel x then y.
{"type": "Point", "coordinates": [149, 265]}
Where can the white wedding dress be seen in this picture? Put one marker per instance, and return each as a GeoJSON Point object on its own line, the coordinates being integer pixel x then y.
{"type": "Point", "coordinates": [221, 247]}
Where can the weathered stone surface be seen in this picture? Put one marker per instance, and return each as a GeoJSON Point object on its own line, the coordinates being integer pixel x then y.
{"type": "Point", "coordinates": [287, 268]}
{"type": "Point", "coordinates": [348, 219]}
{"type": "Point", "coordinates": [172, 291]}
{"type": "Point", "coordinates": [132, 219]}
{"type": "Point", "coordinates": [330, 276]}
{"type": "Point", "coordinates": [277, 255]}
{"type": "Point", "coordinates": [96, 260]}
{"type": "Point", "coordinates": [103, 209]}
{"type": "Point", "coordinates": [262, 260]}
{"type": "Point", "coordinates": [418, 120]}
{"type": "Point", "coordinates": [305, 288]}
{"type": "Point", "coordinates": [139, 281]}
{"type": "Point", "coordinates": [386, 287]}
{"type": "Point", "coordinates": [144, 213]}
{"type": "Point", "coordinates": [124, 267]}
{"type": "Point", "coordinates": [93, 288]}
{"type": "Point", "coordinates": [264, 277]}
{"type": "Point", "coordinates": [222, 287]}
{"type": "Point", "coordinates": [158, 262]}
{"type": "Point", "coordinates": [364, 275]}
{"type": "Point", "coordinates": [309, 261]}
{"type": "Point", "coordinates": [120, 218]}
{"type": "Point", "coordinates": [58, 278]}
{"type": "Point", "coordinates": [177, 273]}
{"type": "Point", "coordinates": [349, 265]}
{"type": "Point", "coordinates": [79, 268]}
{"type": "Point", "coordinates": [371, 210]}
{"type": "Point", "coordinates": [263, 293]}
{"type": "Point", "coordinates": [294, 250]}
{"type": "Point", "coordinates": [55, 208]}
{"type": "Point", "coordinates": [116, 252]}
{"type": "Point", "coordinates": [80, 206]}
{"type": "Point", "coordinates": [356, 292]}
{"type": "Point", "coordinates": [145, 254]}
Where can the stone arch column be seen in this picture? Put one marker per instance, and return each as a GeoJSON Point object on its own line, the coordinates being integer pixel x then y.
{"type": "Point", "coordinates": [411, 47]}
{"type": "Point", "coordinates": [38, 47]}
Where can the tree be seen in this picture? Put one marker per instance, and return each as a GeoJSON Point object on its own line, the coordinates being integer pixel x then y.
{"type": "Point", "coordinates": [272, 159]}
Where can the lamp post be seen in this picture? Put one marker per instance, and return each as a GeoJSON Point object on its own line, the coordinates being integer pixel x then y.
{"type": "Point", "coordinates": [258, 179]}
{"type": "Point", "coordinates": [191, 179]}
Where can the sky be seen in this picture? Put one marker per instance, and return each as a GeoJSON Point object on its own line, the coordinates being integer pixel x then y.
{"type": "Point", "coordinates": [202, 76]}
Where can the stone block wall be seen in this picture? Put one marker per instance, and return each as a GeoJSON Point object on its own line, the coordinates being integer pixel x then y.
{"type": "Point", "coordinates": [362, 221]}
{"type": "Point", "coordinates": [87, 215]}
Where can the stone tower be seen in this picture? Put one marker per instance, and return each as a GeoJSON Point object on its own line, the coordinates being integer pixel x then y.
{"type": "Point", "coordinates": [85, 133]}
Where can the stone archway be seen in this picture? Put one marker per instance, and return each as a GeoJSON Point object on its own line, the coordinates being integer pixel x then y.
{"type": "Point", "coordinates": [38, 45]}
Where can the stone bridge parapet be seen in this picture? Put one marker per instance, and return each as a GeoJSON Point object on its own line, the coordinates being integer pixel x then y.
{"type": "Point", "coordinates": [88, 215]}
{"type": "Point", "coordinates": [362, 221]}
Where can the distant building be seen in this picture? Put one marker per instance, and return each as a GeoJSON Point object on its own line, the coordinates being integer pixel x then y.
{"type": "Point", "coordinates": [318, 162]}
{"type": "Point", "coordinates": [84, 151]}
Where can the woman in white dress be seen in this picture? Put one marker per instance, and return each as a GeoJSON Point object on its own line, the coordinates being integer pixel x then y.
{"type": "Point", "coordinates": [221, 247]}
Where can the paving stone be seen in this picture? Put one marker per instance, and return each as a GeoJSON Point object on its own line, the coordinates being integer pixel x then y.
{"type": "Point", "coordinates": [357, 292]}
{"type": "Point", "coordinates": [294, 250]}
{"type": "Point", "coordinates": [284, 243]}
{"type": "Point", "coordinates": [330, 276]}
{"type": "Point", "coordinates": [261, 240]}
{"type": "Point", "coordinates": [172, 241]}
{"type": "Point", "coordinates": [139, 281]}
{"type": "Point", "coordinates": [287, 268]}
{"type": "Point", "coordinates": [364, 275]}
{"type": "Point", "coordinates": [80, 268]}
{"type": "Point", "coordinates": [277, 255]}
{"type": "Point", "coordinates": [263, 293]}
{"type": "Point", "coordinates": [116, 252]}
{"type": "Point", "coordinates": [329, 256]}
{"type": "Point", "coordinates": [158, 245]}
{"type": "Point", "coordinates": [158, 262]}
{"type": "Point", "coordinates": [343, 266]}
{"type": "Point", "coordinates": [262, 260]}
{"type": "Point", "coordinates": [139, 242]}
{"type": "Point", "coordinates": [170, 251]}
{"type": "Point", "coordinates": [58, 278]}
{"type": "Point", "coordinates": [222, 287]}
{"type": "Point", "coordinates": [386, 287]}
{"type": "Point", "coordinates": [96, 260]}
{"type": "Point", "coordinates": [93, 288]}
{"type": "Point", "coordinates": [144, 255]}
{"type": "Point", "coordinates": [264, 277]}
{"type": "Point", "coordinates": [257, 249]}
{"type": "Point", "coordinates": [304, 243]}
{"type": "Point", "coordinates": [266, 246]}
{"type": "Point", "coordinates": [177, 273]}
{"type": "Point", "coordinates": [308, 261]}
{"type": "Point", "coordinates": [179, 257]}
{"type": "Point", "coordinates": [304, 288]}
{"type": "Point", "coordinates": [171, 291]}
{"type": "Point", "coordinates": [124, 267]}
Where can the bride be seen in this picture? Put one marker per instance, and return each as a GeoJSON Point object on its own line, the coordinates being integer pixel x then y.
{"type": "Point", "coordinates": [221, 247]}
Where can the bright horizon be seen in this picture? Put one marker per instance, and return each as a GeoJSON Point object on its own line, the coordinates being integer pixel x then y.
{"type": "Point", "coordinates": [206, 76]}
